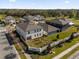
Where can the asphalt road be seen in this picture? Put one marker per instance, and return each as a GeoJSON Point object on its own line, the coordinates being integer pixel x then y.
{"type": "Point", "coordinates": [6, 50]}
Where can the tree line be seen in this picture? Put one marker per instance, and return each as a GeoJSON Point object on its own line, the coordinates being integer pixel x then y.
{"type": "Point", "coordinates": [46, 13]}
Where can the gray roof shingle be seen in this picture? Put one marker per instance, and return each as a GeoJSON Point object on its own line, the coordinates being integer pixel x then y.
{"type": "Point", "coordinates": [27, 26]}
{"type": "Point", "coordinates": [52, 28]}
{"type": "Point", "coordinates": [48, 28]}
{"type": "Point", "coordinates": [60, 21]}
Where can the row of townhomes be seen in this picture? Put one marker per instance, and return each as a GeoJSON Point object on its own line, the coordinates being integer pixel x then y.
{"type": "Point", "coordinates": [32, 28]}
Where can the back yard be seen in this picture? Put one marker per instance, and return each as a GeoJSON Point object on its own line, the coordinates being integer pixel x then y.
{"type": "Point", "coordinates": [57, 50]}
{"type": "Point", "coordinates": [40, 42]}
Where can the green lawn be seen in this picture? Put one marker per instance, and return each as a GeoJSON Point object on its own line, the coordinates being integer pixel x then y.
{"type": "Point", "coordinates": [76, 22]}
{"type": "Point", "coordinates": [63, 34]}
{"type": "Point", "coordinates": [57, 50]}
{"type": "Point", "coordinates": [70, 53]}
{"type": "Point", "coordinates": [2, 16]}
{"type": "Point", "coordinates": [40, 42]}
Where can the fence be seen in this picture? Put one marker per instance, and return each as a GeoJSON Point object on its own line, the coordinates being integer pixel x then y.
{"type": "Point", "coordinates": [60, 41]}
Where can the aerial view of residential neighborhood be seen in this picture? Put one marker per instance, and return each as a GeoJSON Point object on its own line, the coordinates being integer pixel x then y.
{"type": "Point", "coordinates": [39, 29]}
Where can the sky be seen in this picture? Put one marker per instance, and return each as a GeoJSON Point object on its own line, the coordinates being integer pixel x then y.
{"type": "Point", "coordinates": [39, 4]}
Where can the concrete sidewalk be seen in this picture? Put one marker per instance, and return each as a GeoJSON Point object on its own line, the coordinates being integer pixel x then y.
{"type": "Point", "coordinates": [66, 51]}
{"type": "Point", "coordinates": [74, 56]}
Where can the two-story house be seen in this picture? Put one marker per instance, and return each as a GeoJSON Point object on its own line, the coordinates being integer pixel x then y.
{"type": "Point", "coordinates": [29, 30]}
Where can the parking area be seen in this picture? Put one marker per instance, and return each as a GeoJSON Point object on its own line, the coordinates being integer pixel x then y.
{"type": "Point", "coordinates": [6, 51]}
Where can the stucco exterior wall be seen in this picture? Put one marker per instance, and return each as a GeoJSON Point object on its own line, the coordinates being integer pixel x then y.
{"type": "Point", "coordinates": [21, 32]}
{"type": "Point", "coordinates": [36, 34]}
{"type": "Point", "coordinates": [32, 34]}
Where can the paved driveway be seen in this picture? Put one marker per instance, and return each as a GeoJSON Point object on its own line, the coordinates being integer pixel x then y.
{"type": "Point", "coordinates": [6, 51]}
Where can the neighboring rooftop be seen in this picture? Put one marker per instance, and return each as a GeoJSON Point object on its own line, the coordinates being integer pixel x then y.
{"type": "Point", "coordinates": [29, 17]}
{"type": "Point", "coordinates": [10, 19]}
{"type": "Point", "coordinates": [36, 17]}
{"type": "Point", "coordinates": [60, 21]}
{"type": "Point", "coordinates": [39, 17]}
{"type": "Point", "coordinates": [48, 28]}
{"type": "Point", "coordinates": [52, 28]}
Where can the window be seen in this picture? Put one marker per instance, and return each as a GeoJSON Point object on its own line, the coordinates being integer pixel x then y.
{"type": "Point", "coordinates": [28, 32]}
{"type": "Point", "coordinates": [35, 35]}
{"type": "Point", "coordinates": [40, 29]}
{"type": "Point", "coordinates": [37, 30]}
{"type": "Point", "coordinates": [34, 30]}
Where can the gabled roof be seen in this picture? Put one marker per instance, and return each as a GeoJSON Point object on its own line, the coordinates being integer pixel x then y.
{"type": "Point", "coordinates": [60, 21]}
{"type": "Point", "coordinates": [27, 26]}
{"type": "Point", "coordinates": [39, 18]}
{"type": "Point", "coordinates": [36, 17]}
{"type": "Point", "coordinates": [48, 28]}
{"type": "Point", "coordinates": [52, 28]}
{"type": "Point", "coordinates": [29, 17]}
{"type": "Point", "coordinates": [10, 18]}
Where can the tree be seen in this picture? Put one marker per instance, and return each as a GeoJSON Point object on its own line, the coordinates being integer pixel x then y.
{"type": "Point", "coordinates": [74, 13]}
{"type": "Point", "coordinates": [48, 48]}
{"type": "Point", "coordinates": [57, 36]}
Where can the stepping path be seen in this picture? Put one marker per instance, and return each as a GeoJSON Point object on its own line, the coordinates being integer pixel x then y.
{"type": "Point", "coordinates": [66, 51]}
